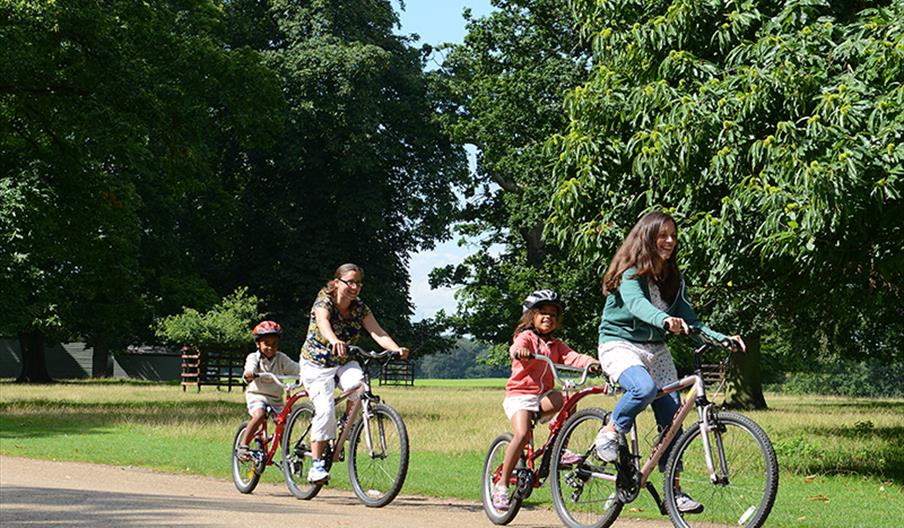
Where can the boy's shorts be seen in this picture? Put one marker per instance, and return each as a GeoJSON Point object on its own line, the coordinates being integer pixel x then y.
{"type": "Point", "coordinates": [259, 401]}
{"type": "Point", "coordinates": [523, 402]}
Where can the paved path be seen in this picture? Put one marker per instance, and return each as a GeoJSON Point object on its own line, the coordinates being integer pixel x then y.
{"type": "Point", "coordinates": [45, 493]}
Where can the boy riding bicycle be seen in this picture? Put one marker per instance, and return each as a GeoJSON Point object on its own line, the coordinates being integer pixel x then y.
{"type": "Point", "coordinates": [262, 393]}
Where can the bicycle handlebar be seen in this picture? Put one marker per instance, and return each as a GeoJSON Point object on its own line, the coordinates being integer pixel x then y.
{"type": "Point", "coordinates": [728, 344]}
{"type": "Point", "coordinates": [278, 380]}
{"type": "Point", "coordinates": [374, 354]}
{"type": "Point", "coordinates": [569, 384]}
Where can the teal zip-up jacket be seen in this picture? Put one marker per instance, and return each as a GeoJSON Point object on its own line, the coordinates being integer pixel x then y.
{"type": "Point", "coordinates": [628, 314]}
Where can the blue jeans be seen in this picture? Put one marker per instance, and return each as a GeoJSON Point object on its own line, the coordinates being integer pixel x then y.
{"type": "Point", "coordinates": [640, 391]}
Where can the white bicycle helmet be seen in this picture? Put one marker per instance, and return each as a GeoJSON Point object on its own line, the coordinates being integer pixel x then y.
{"type": "Point", "coordinates": [543, 297]}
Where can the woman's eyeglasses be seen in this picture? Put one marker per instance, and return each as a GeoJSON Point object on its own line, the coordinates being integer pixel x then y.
{"type": "Point", "coordinates": [351, 283]}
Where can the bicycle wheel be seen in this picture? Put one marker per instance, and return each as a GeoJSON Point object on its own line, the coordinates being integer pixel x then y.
{"type": "Point", "coordinates": [746, 474]}
{"type": "Point", "coordinates": [247, 473]}
{"type": "Point", "coordinates": [378, 456]}
{"type": "Point", "coordinates": [296, 452]}
{"type": "Point", "coordinates": [583, 498]}
{"type": "Point", "coordinates": [492, 468]}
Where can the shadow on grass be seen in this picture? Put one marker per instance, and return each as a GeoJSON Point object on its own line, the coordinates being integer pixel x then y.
{"type": "Point", "coordinates": [811, 406]}
{"type": "Point", "coordinates": [41, 418]}
{"type": "Point", "coordinates": [884, 460]}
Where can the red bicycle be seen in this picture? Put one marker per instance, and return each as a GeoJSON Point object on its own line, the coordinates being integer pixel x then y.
{"type": "Point", "coordinates": [528, 473]}
{"type": "Point", "coordinates": [246, 472]}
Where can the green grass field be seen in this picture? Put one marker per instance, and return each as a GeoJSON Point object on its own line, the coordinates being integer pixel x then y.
{"type": "Point", "coordinates": [842, 460]}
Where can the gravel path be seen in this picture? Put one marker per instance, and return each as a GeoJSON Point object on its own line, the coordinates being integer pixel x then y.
{"type": "Point", "coordinates": [45, 493]}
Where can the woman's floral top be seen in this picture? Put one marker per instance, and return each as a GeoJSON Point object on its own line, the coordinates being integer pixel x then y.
{"type": "Point", "coordinates": [316, 348]}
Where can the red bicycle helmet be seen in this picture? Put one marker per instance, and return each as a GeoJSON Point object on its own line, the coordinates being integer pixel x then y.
{"type": "Point", "coordinates": [266, 328]}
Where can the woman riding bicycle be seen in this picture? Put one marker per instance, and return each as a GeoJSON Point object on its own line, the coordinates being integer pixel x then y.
{"type": "Point", "coordinates": [646, 297]}
{"type": "Point", "coordinates": [338, 319]}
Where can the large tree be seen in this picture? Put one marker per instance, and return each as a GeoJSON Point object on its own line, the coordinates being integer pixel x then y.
{"type": "Point", "coordinates": [113, 116]}
{"type": "Point", "coordinates": [505, 85]}
{"type": "Point", "coordinates": [772, 131]}
{"type": "Point", "coordinates": [363, 171]}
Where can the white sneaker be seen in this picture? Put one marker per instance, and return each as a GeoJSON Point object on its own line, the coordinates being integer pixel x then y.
{"type": "Point", "coordinates": [606, 444]}
{"type": "Point", "coordinates": [317, 472]}
{"type": "Point", "coordinates": [686, 504]}
{"type": "Point", "coordinates": [501, 499]}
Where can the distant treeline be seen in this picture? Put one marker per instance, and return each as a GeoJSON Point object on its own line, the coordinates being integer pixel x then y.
{"type": "Point", "coordinates": [463, 361]}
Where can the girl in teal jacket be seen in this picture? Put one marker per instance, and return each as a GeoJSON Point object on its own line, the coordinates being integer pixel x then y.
{"type": "Point", "coordinates": [645, 299]}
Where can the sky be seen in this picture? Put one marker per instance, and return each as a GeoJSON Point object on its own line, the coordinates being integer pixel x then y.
{"type": "Point", "coordinates": [436, 22]}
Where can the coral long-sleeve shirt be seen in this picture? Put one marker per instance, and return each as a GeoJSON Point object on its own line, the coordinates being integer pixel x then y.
{"type": "Point", "coordinates": [533, 376]}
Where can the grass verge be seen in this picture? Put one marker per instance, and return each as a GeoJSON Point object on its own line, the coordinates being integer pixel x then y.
{"type": "Point", "coordinates": [836, 454]}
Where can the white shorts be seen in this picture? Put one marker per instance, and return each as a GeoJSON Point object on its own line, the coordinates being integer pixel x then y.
{"type": "Point", "coordinates": [320, 383]}
{"type": "Point", "coordinates": [618, 356]}
{"type": "Point", "coordinates": [523, 402]}
{"type": "Point", "coordinates": [260, 401]}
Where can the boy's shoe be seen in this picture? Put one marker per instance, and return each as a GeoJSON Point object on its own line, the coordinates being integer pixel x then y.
{"type": "Point", "coordinates": [570, 458]}
{"type": "Point", "coordinates": [243, 453]}
{"type": "Point", "coordinates": [318, 472]}
{"type": "Point", "coordinates": [686, 504]}
{"type": "Point", "coordinates": [606, 444]}
{"type": "Point", "coordinates": [500, 498]}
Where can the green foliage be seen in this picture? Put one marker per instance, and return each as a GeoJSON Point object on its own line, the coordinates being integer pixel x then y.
{"type": "Point", "coordinates": [113, 118]}
{"type": "Point", "coordinates": [772, 132]}
{"type": "Point", "coordinates": [362, 172]}
{"type": "Point", "coordinates": [158, 155]}
{"type": "Point", "coordinates": [504, 87]}
{"type": "Point", "coordinates": [866, 378]}
{"type": "Point", "coordinates": [225, 326]}
{"type": "Point", "coordinates": [463, 361]}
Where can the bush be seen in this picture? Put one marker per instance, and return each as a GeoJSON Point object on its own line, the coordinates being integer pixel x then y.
{"type": "Point", "coordinates": [870, 378]}
{"type": "Point", "coordinates": [225, 326]}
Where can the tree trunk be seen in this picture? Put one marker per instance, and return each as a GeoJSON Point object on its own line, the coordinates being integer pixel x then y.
{"type": "Point", "coordinates": [34, 362]}
{"type": "Point", "coordinates": [745, 380]}
{"type": "Point", "coordinates": [100, 359]}
{"type": "Point", "coordinates": [536, 248]}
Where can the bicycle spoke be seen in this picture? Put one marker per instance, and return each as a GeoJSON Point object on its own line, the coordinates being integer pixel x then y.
{"type": "Point", "coordinates": [378, 472]}
{"type": "Point", "coordinates": [744, 494]}
{"type": "Point", "coordinates": [296, 444]}
{"type": "Point", "coordinates": [582, 497]}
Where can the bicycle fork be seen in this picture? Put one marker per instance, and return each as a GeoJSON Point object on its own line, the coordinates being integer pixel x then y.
{"type": "Point", "coordinates": [707, 428]}
{"type": "Point", "coordinates": [368, 436]}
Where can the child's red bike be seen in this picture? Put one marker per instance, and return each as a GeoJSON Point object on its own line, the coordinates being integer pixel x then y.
{"type": "Point", "coordinates": [529, 473]}
{"type": "Point", "coordinates": [246, 471]}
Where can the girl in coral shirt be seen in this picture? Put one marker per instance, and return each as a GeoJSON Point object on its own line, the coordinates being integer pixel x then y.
{"type": "Point", "coordinates": [530, 391]}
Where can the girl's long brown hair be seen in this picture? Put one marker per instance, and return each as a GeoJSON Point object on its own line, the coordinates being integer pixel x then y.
{"type": "Point", "coordinates": [639, 251]}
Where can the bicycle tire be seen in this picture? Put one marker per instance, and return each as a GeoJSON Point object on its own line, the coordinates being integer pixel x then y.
{"type": "Point", "coordinates": [492, 462]}
{"type": "Point", "coordinates": [246, 473]}
{"type": "Point", "coordinates": [746, 496]}
{"type": "Point", "coordinates": [296, 452]}
{"type": "Point", "coordinates": [580, 499]}
{"type": "Point", "coordinates": [378, 477]}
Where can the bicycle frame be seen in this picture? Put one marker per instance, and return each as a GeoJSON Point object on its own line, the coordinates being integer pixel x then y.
{"type": "Point", "coordinates": [570, 401]}
{"type": "Point", "coordinates": [364, 402]}
{"type": "Point", "coordinates": [280, 424]}
{"type": "Point", "coordinates": [695, 398]}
